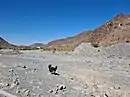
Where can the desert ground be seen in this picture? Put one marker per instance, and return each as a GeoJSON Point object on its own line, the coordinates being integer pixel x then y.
{"type": "Point", "coordinates": [25, 74]}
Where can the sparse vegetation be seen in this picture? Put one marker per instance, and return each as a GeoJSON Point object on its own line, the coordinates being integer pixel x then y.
{"type": "Point", "coordinates": [59, 48]}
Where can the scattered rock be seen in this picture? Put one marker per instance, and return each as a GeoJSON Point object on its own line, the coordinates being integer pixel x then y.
{"type": "Point", "coordinates": [27, 92]}
{"type": "Point", "coordinates": [17, 82]}
{"type": "Point", "coordinates": [62, 87]}
{"type": "Point", "coordinates": [58, 89]}
{"type": "Point", "coordinates": [11, 70]}
{"type": "Point", "coordinates": [51, 91]}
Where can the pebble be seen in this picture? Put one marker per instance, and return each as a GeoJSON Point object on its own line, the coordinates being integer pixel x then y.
{"type": "Point", "coordinates": [18, 91]}
{"type": "Point", "coordinates": [34, 70]}
{"type": "Point", "coordinates": [117, 87]}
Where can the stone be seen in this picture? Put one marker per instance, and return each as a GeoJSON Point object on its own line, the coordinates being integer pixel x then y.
{"type": "Point", "coordinates": [7, 84]}
{"type": "Point", "coordinates": [18, 91]}
{"type": "Point", "coordinates": [51, 91]}
{"type": "Point", "coordinates": [105, 95]}
{"type": "Point", "coordinates": [24, 67]}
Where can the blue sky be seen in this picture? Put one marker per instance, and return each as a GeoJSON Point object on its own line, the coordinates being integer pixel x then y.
{"type": "Point", "coordinates": [24, 22]}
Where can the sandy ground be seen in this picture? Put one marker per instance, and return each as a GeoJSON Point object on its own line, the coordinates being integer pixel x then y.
{"type": "Point", "coordinates": [27, 75]}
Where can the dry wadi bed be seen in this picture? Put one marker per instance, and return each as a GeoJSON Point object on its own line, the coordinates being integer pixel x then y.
{"type": "Point", "coordinates": [26, 75]}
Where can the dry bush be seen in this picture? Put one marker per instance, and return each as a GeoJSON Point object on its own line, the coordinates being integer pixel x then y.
{"type": "Point", "coordinates": [95, 45]}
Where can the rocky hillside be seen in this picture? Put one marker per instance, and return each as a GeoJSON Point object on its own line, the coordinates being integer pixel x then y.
{"type": "Point", "coordinates": [5, 44]}
{"type": "Point", "coordinates": [115, 31]}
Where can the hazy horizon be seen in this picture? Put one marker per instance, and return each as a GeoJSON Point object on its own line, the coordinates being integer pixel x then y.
{"type": "Point", "coordinates": [24, 22]}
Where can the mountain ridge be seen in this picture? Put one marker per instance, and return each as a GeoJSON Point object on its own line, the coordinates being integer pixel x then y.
{"type": "Point", "coordinates": [114, 31]}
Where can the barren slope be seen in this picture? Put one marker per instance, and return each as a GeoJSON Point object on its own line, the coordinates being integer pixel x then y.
{"type": "Point", "coordinates": [114, 31]}
{"type": "Point", "coordinates": [5, 44]}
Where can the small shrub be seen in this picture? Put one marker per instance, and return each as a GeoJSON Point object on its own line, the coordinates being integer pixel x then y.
{"type": "Point", "coordinates": [127, 41]}
{"type": "Point", "coordinates": [98, 50]}
{"type": "Point", "coordinates": [95, 45]}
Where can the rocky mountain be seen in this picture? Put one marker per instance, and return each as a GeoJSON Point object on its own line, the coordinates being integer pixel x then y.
{"type": "Point", "coordinates": [115, 31]}
{"type": "Point", "coordinates": [5, 44]}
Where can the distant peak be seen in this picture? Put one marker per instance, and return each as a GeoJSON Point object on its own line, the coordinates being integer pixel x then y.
{"type": "Point", "coordinates": [121, 15]}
